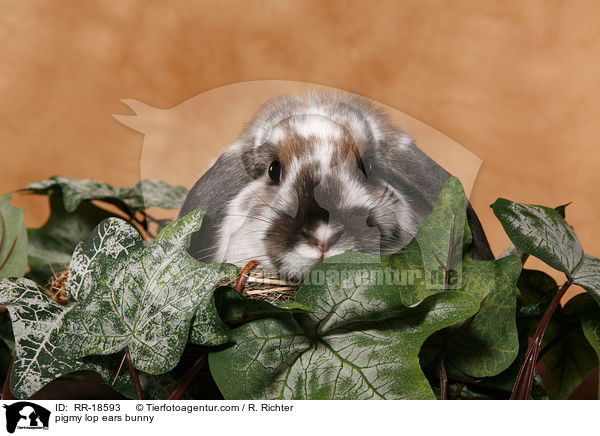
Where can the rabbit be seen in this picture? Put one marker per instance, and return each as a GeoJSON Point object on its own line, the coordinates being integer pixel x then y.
{"type": "Point", "coordinates": [311, 177]}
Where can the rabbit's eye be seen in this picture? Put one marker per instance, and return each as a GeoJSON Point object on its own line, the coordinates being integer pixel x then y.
{"type": "Point", "coordinates": [365, 167]}
{"type": "Point", "coordinates": [275, 171]}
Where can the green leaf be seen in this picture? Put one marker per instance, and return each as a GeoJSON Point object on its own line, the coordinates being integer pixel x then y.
{"type": "Point", "coordinates": [124, 294]}
{"type": "Point", "coordinates": [537, 289]}
{"type": "Point", "coordinates": [587, 275]}
{"type": "Point", "coordinates": [34, 317]}
{"type": "Point", "coordinates": [590, 324]}
{"type": "Point", "coordinates": [13, 240]}
{"type": "Point", "coordinates": [416, 268]}
{"type": "Point", "coordinates": [562, 209]}
{"type": "Point", "coordinates": [488, 343]}
{"type": "Point", "coordinates": [6, 334]}
{"type": "Point", "coordinates": [567, 355]}
{"type": "Point", "coordinates": [233, 308]}
{"type": "Point", "coordinates": [51, 246]}
{"type": "Point", "coordinates": [359, 342]}
{"type": "Point", "coordinates": [138, 296]}
{"type": "Point", "coordinates": [541, 232]}
{"type": "Point", "coordinates": [406, 273]}
{"type": "Point", "coordinates": [35, 320]}
{"type": "Point", "coordinates": [157, 387]}
{"type": "Point", "coordinates": [210, 326]}
{"type": "Point", "coordinates": [146, 194]}
{"type": "Point", "coordinates": [443, 226]}
{"type": "Point", "coordinates": [7, 342]}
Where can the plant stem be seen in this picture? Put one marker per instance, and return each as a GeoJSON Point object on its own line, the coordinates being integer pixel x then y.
{"type": "Point", "coordinates": [243, 276]}
{"type": "Point", "coordinates": [478, 383]}
{"type": "Point", "coordinates": [134, 376]}
{"type": "Point", "coordinates": [188, 378]}
{"type": "Point", "coordinates": [447, 269]}
{"type": "Point", "coordinates": [119, 370]}
{"type": "Point", "coordinates": [456, 393]}
{"type": "Point", "coordinates": [6, 393]}
{"type": "Point", "coordinates": [443, 377]}
{"type": "Point", "coordinates": [522, 388]}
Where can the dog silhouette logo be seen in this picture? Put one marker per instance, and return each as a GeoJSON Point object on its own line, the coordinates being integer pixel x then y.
{"type": "Point", "coordinates": [26, 415]}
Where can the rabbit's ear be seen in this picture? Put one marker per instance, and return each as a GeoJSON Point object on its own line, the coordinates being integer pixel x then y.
{"type": "Point", "coordinates": [213, 192]}
{"type": "Point", "coordinates": [421, 179]}
{"type": "Point", "coordinates": [410, 171]}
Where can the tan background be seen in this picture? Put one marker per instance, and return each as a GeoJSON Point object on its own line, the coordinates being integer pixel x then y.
{"type": "Point", "coordinates": [517, 83]}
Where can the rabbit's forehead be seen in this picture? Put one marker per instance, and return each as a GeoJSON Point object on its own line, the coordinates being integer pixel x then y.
{"type": "Point", "coordinates": [314, 138]}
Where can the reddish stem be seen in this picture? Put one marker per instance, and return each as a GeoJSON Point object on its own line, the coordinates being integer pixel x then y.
{"type": "Point", "coordinates": [457, 391]}
{"type": "Point", "coordinates": [524, 382]}
{"type": "Point", "coordinates": [243, 276]}
{"type": "Point", "coordinates": [443, 378]}
{"type": "Point", "coordinates": [134, 376]}
{"type": "Point", "coordinates": [6, 393]}
{"type": "Point", "coordinates": [119, 370]}
{"type": "Point", "coordinates": [188, 378]}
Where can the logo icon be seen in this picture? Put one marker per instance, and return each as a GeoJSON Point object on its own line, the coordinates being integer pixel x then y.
{"type": "Point", "coordinates": [26, 415]}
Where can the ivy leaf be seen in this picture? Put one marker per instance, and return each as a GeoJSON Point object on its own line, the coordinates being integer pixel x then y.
{"type": "Point", "coordinates": [567, 355]}
{"type": "Point", "coordinates": [444, 232]}
{"type": "Point", "coordinates": [419, 268]}
{"type": "Point", "coordinates": [359, 342]}
{"type": "Point", "coordinates": [52, 245]}
{"type": "Point", "coordinates": [124, 294]}
{"type": "Point", "coordinates": [34, 317]}
{"type": "Point", "coordinates": [7, 342]}
{"type": "Point", "coordinates": [562, 209]}
{"type": "Point", "coordinates": [537, 290]}
{"type": "Point", "coordinates": [35, 320]}
{"type": "Point", "coordinates": [587, 275]}
{"type": "Point", "coordinates": [6, 334]}
{"type": "Point", "coordinates": [406, 273]}
{"type": "Point", "coordinates": [13, 240]}
{"type": "Point", "coordinates": [211, 325]}
{"type": "Point", "coordinates": [146, 194]}
{"type": "Point", "coordinates": [233, 308]}
{"type": "Point", "coordinates": [157, 387]}
{"type": "Point", "coordinates": [487, 344]}
{"type": "Point", "coordinates": [138, 296]}
{"type": "Point", "coordinates": [541, 232]}
{"type": "Point", "coordinates": [590, 324]}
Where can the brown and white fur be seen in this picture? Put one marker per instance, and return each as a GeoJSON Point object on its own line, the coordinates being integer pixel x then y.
{"type": "Point", "coordinates": [312, 177]}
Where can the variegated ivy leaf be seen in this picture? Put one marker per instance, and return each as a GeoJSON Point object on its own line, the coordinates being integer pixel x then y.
{"type": "Point", "coordinates": [359, 341]}
{"type": "Point", "coordinates": [587, 275]}
{"type": "Point", "coordinates": [544, 233]}
{"type": "Point", "coordinates": [13, 240]}
{"type": "Point", "coordinates": [138, 296]}
{"type": "Point", "coordinates": [541, 232]}
{"type": "Point", "coordinates": [124, 294]}
{"type": "Point", "coordinates": [110, 243]}
{"type": "Point", "coordinates": [146, 194]}
{"type": "Point", "coordinates": [35, 320]}
{"type": "Point", "coordinates": [445, 225]}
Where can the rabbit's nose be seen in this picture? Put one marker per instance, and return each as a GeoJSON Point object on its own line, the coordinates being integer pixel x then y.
{"type": "Point", "coordinates": [322, 246]}
{"type": "Point", "coordinates": [325, 240]}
